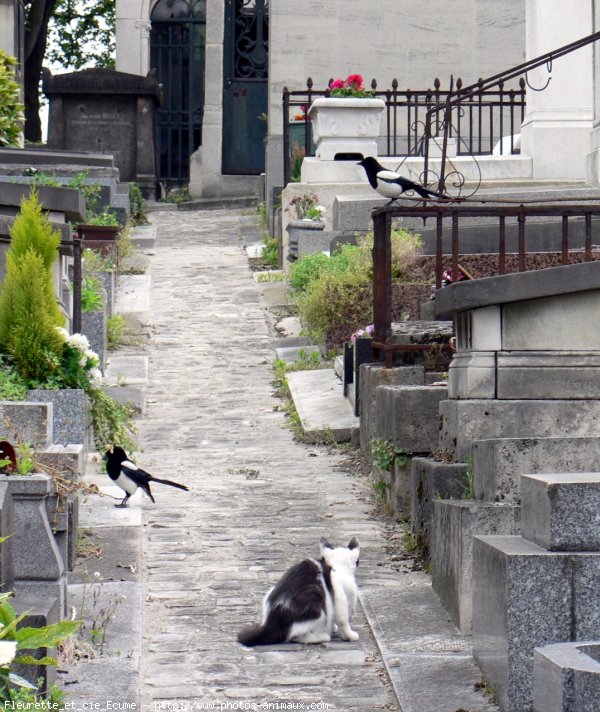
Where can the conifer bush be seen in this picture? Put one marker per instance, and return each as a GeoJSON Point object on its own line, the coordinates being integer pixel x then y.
{"type": "Point", "coordinates": [29, 314]}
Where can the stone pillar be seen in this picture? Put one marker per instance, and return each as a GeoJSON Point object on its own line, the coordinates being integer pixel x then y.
{"type": "Point", "coordinates": [593, 158]}
{"type": "Point", "coordinates": [132, 29]}
{"type": "Point", "coordinates": [559, 119]}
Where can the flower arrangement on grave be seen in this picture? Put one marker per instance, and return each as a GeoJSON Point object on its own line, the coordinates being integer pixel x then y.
{"type": "Point", "coordinates": [306, 207]}
{"type": "Point", "coordinates": [302, 115]}
{"type": "Point", "coordinates": [366, 333]}
{"type": "Point", "coordinates": [352, 87]}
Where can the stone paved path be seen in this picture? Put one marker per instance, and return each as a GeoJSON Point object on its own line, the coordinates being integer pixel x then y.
{"type": "Point", "coordinates": [259, 501]}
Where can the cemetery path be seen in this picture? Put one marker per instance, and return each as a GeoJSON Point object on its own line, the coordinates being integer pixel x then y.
{"type": "Point", "coordinates": [258, 502]}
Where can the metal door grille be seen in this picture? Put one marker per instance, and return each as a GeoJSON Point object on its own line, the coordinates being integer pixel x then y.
{"type": "Point", "coordinates": [178, 41]}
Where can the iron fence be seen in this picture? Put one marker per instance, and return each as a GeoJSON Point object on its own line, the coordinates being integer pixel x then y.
{"type": "Point", "coordinates": [452, 216]}
{"type": "Point", "coordinates": [485, 122]}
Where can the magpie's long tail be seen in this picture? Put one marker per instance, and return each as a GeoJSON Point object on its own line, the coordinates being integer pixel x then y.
{"type": "Point", "coordinates": [171, 483]}
{"type": "Point", "coordinates": [426, 193]}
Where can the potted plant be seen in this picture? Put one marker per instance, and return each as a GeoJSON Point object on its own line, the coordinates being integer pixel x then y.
{"type": "Point", "coordinates": [347, 123]}
{"type": "Point", "coordinates": [100, 231]}
{"type": "Point", "coordinates": [307, 215]}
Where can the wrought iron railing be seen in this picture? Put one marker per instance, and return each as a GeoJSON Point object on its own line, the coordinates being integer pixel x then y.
{"type": "Point", "coordinates": [478, 127]}
{"type": "Point", "coordinates": [452, 217]}
{"type": "Point", "coordinates": [457, 102]}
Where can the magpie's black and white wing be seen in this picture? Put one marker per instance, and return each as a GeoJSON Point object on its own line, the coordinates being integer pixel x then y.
{"type": "Point", "coordinates": [131, 477]}
{"type": "Point", "coordinates": [389, 184]}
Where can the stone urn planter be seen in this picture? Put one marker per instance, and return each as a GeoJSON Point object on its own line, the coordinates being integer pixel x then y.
{"type": "Point", "coordinates": [304, 237]}
{"type": "Point", "coordinates": [345, 127]}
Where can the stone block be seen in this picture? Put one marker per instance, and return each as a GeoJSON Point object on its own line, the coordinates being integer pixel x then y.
{"type": "Point", "coordinates": [472, 375]}
{"type": "Point", "coordinates": [69, 460]}
{"type": "Point", "coordinates": [394, 485]}
{"type": "Point", "coordinates": [464, 422]}
{"type": "Point", "coordinates": [373, 375]}
{"type": "Point", "coordinates": [27, 421]}
{"type": "Point", "coordinates": [38, 565]}
{"type": "Point", "coordinates": [431, 479]}
{"type": "Point", "coordinates": [408, 416]}
{"type": "Point", "coordinates": [561, 512]}
{"type": "Point", "coordinates": [40, 612]}
{"type": "Point", "coordinates": [521, 599]}
{"type": "Point", "coordinates": [72, 416]}
{"type": "Point", "coordinates": [454, 524]}
{"type": "Point", "coordinates": [498, 464]}
{"type": "Point", "coordinates": [108, 283]}
{"type": "Point", "coordinates": [7, 528]}
{"type": "Point", "coordinates": [93, 325]}
{"type": "Point", "coordinates": [546, 374]}
{"type": "Point", "coordinates": [144, 236]}
{"type": "Point", "coordinates": [566, 677]}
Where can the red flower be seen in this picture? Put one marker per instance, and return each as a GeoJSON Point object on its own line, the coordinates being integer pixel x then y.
{"type": "Point", "coordinates": [355, 79]}
{"type": "Point", "coordinates": [337, 84]}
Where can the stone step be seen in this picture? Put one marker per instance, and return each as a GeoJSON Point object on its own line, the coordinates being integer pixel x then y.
{"type": "Point", "coordinates": [233, 203]}
{"type": "Point", "coordinates": [133, 293]}
{"type": "Point", "coordinates": [144, 236]}
{"type": "Point", "coordinates": [323, 410]}
{"type": "Point", "coordinates": [290, 354]}
{"type": "Point", "coordinates": [126, 370]}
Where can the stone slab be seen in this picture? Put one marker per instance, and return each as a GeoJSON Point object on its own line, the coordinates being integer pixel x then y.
{"type": "Point", "coordinates": [498, 464]}
{"type": "Point", "coordinates": [68, 459]}
{"type": "Point", "coordinates": [68, 201]}
{"type": "Point", "coordinates": [133, 293]}
{"type": "Point", "coordinates": [454, 524]}
{"type": "Point", "coordinates": [373, 375]}
{"type": "Point", "coordinates": [408, 416]}
{"type": "Point", "coordinates": [130, 395]}
{"type": "Point", "coordinates": [561, 512]}
{"type": "Point", "coordinates": [320, 402]}
{"type": "Point", "coordinates": [290, 354]}
{"type": "Point", "coordinates": [394, 486]}
{"type": "Point", "coordinates": [93, 325]}
{"type": "Point", "coordinates": [430, 480]}
{"type": "Point", "coordinates": [30, 422]}
{"type": "Point", "coordinates": [566, 677]}
{"type": "Point", "coordinates": [126, 370]}
{"type": "Point", "coordinates": [464, 422]}
{"type": "Point", "coordinates": [143, 236]}
{"type": "Point", "coordinates": [526, 597]}
{"type": "Point", "coordinates": [472, 375]}
{"type": "Point", "coordinates": [428, 661]}
{"type": "Point", "coordinates": [519, 287]}
{"type": "Point", "coordinates": [71, 420]}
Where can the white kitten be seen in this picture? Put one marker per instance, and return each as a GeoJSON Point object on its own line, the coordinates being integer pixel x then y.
{"type": "Point", "coordinates": [311, 600]}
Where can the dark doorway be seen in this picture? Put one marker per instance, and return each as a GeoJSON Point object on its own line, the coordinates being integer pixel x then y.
{"type": "Point", "coordinates": [177, 46]}
{"type": "Point", "coordinates": [245, 73]}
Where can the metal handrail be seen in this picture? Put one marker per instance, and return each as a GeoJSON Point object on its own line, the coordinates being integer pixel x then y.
{"type": "Point", "coordinates": [455, 99]}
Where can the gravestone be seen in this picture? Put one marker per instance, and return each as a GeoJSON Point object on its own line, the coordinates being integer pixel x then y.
{"type": "Point", "coordinates": [106, 111]}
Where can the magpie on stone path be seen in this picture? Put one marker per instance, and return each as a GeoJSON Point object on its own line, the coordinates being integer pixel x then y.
{"type": "Point", "coordinates": [128, 476]}
{"type": "Point", "coordinates": [392, 185]}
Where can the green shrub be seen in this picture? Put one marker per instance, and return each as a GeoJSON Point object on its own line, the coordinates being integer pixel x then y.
{"type": "Point", "coordinates": [91, 295]}
{"type": "Point", "coordinates": [11, 110]}
{"type": "Point", "coordinates": [270, 250]}
{"type": "Point", "coordinates": [116, 330]}
{"type": "Point", "coordinates": [335, 294]}
{"type": "Point", "coordinates": [12, 386]}
{"type": "Point", "coordinates": [29, 313]}
{"type": "Point", "coordinates": [139, 214]}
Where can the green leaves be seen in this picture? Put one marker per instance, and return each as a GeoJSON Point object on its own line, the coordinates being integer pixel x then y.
{"type": "Point", "coordinates": [46, 637]}
{"type": "Point", "coordinates": [11, 110]}
{"type": "Point", "coordinates": [385, 453]}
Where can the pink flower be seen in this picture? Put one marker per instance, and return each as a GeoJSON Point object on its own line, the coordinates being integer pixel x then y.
{"type": "Point", "coordinates": [355, 79]}
{"type": "Point", "coordinates": [337, 84]}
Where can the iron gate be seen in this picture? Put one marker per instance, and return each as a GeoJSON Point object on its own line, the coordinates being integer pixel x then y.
{"type": "Point", "coordinates": [245, 68]}
{"type": "Point", "coordinates": [178, 42]}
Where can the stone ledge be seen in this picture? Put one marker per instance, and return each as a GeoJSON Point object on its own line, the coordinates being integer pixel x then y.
{"type": "Point", "coordinates": [518, 287]}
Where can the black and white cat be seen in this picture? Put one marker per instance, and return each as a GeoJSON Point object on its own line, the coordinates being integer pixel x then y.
{"type": "Point", "coordinates": [312, 600]}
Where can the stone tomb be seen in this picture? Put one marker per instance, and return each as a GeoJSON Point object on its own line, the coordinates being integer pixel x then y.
{"type": "Point", "coordinates": [107, 112]}
{"type": "Point", "coordinates": [539, 588]}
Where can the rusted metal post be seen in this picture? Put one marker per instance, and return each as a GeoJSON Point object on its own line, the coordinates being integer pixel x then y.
{"type": "Point", "coordinates": [588, 237]}
{"type": "Point", "coordinates": [502, 246]}
{"type": "Point", "coordinates": [286, 136]}
{"type": "Point", "coordinates": [439, 251]}
{"type": "Point", "coordinates": [382, 275]}
{"type": "Point", "coordinates": [455, 246]}
{"type": "Point", "coordinates": [565, 240]}
{"type": "Point", "coordinates": [77, 279]}
{"type": "Point", "coordinates": [521, 220]}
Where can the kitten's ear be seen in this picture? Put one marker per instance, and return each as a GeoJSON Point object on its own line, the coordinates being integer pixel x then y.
{"type": "Point", "coordinates": [325, 544]}
{"type": "Point", "coordinates": [353, 543]}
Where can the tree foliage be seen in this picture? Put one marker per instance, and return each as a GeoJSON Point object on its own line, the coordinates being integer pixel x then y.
{"type": "Point", "coordinates": [11, 110]}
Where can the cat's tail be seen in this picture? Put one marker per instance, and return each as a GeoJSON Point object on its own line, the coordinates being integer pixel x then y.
{"type": "Point", "coordinates": [267, 634]}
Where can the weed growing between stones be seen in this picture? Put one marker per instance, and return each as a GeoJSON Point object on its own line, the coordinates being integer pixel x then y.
{"type": "Point", "coordinates": [271, 276]}
{"type": "Point", "coordinates": [468, 482]}
{"type": "Point", "coordinates": [385, 453]}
